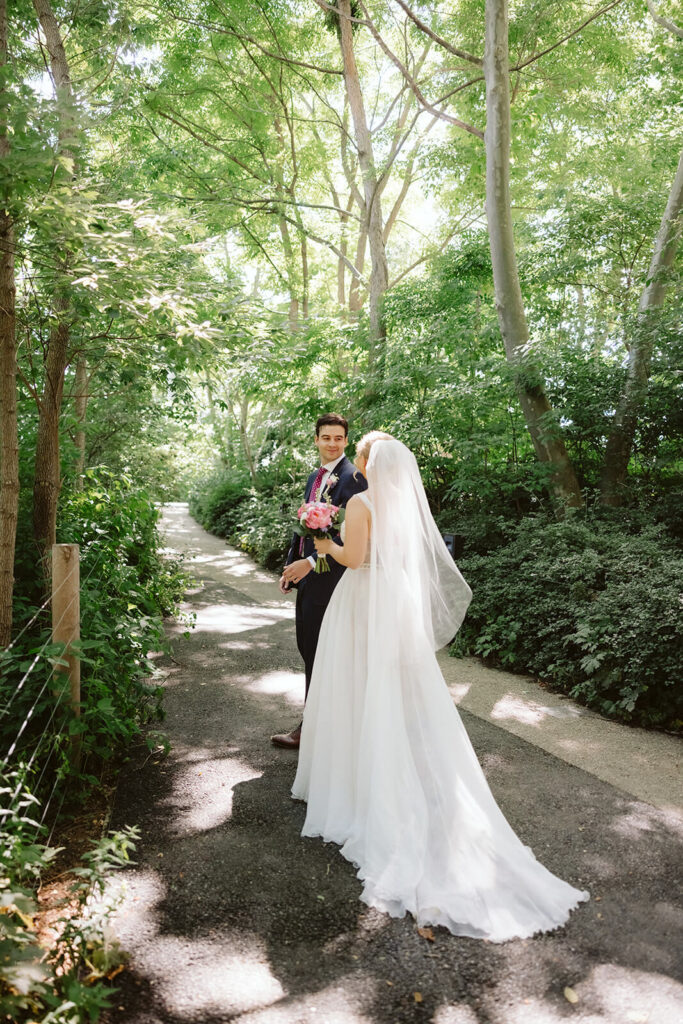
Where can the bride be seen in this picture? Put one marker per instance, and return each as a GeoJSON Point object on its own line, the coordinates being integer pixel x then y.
{"type": "Point", "coordinates": [385, 764]}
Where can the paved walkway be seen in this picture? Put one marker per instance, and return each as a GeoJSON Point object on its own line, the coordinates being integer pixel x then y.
{"type": "Point", "coordinates": [230, 916]}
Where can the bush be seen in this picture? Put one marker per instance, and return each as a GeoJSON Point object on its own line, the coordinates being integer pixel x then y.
{"type": "Point", "coordinates": [260, 521]}
{"type": "Point", "coordinates": [126, 588]}
{"type": "Point", "coordinates": [587, 605]}
{"type": "Point", "coordinates": [215, 504]}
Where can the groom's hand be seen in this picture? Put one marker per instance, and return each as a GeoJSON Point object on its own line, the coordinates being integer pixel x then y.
{"type": "Point", "coordinates": [294, 572]}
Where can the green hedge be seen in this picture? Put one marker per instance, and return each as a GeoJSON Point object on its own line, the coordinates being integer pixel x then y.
{"type": "Point", "coordinates": [260, 521]}
{"type": "Point", "coordinates": [126, 588]}
{"type": "Point", "coordinates": [588, 606]}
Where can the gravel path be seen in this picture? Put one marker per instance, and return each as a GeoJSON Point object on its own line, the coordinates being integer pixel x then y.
{"type": "Point", "coordinates": [230, 916]}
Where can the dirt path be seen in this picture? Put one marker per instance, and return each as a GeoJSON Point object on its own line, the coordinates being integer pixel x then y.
{"type": "Point", "coordinates": [230, 916]}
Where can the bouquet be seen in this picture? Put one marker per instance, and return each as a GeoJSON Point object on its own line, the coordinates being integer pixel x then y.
{"type": "Point", "coordinates": [319, 519]}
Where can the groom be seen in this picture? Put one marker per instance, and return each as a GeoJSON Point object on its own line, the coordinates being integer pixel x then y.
{"type": "Point", "coordinates": [338, 480]}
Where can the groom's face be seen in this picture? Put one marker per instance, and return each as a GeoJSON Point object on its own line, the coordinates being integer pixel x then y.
{"type": "Point", "coordinates": [330, 442]}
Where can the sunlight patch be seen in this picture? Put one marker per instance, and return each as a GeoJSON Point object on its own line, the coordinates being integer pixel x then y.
{"type": "Point", "coordinates": [287, 684]}
{"type": "Point", "coordinates": [210, 977]}
{"type": "Point", "coordinates": [202, 793]}
{"type": "Point", "coordinates": [455, 1015]}
{"type": "Point", "coordinates": [459, 691]}
{"type": "Point", "coordinates": [528, 712]}
{"type": "Point", "coordinates": [237, 618]}
{"type": "Point", "coordinates": [338, 1004]}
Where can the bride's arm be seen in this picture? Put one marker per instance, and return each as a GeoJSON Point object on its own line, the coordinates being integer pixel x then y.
{"type": "Point", "coordinates": [357, 531]}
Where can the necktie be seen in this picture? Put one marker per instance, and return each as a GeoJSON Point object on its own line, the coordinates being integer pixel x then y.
{"type": "Point", "coordinates": [312, 497]}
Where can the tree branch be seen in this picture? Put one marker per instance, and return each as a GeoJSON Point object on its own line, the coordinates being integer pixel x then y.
{"type": "Point", "coordinates": [664, 22]}
{"type": "Point", "coordinates": [570, 35]}
{"type": "Point", "coordinates": [330, 245]}
{"type": "Point", "coordinates": [411, 81]}
{"type": "Point", "coordinates": [478, 61]}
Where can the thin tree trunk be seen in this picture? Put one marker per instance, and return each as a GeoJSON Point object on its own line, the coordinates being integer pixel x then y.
{"type": "Point", "coordinates": [343, 249]}
{"type": "Point", "coordinates": [47, 480]}
{"type": "Point", "coordinates": [9, 449]}
{"type": "Point", "coordinates": [293, 316]}
{"type": "Point", "coordinates": [304, 276]}
{"type": "Point", "coordinates": [508, 293]}
{"type": "Point", "coordinates": [244, 437]}
{"type": "Point", "coordinates": [81, 403]}
{"type": "Point", "coordinates": [620, 441]}
{"type": "Point", "coordinates": [355, 297]}
{"type": "Point", "coordinates": [379, 276]}
{"type": "Point", "coordinates": [47, 471]}
{"type": "Point", "coordinates": [290, 261]}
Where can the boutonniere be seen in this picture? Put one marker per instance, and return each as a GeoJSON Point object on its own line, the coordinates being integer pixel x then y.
{"type": "Point", "coordinates": [332, 481]}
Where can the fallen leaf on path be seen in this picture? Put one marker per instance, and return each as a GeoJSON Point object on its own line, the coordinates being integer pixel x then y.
{"type": "Point", "coordinates": [426, 933]}
{"type": "Point", "coordinates": [570, 995]}
{"type": "Point", "coordinates": [417, 996]}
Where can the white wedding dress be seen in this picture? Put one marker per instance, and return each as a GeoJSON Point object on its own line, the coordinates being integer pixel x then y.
{"type": "Point", "coordinates": [385, 763]}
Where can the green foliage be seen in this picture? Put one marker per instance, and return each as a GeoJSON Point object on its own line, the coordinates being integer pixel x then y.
{"type": "Point", "coordinates": [591, 605]}
{"type": "Point", "coordinates": [258, 520]}
{"type": "Point", "coordinates": [66, 984]}
{"type": "Point", "coordinates": [126, 588]}
{"type": "Point", "coordinates": [216, 502]}
{"type": "Point", "coordinates": [266, 524]}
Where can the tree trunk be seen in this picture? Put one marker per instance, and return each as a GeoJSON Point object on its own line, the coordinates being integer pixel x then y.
{"type": "Point", "coordinates": [47, 471]}
{"type": "Point", "coordinates": [59, 67]}
{"type": "Point", "coordinates": [244, 437]}
{"type": "Point", "coordinates": [47, 480]}
{"type": "Point", "coordinates": [620, 441]}
{"type": "Point", "coordinates": [355, 297]}
{"type": "Point", "coordinates": [508, 293]}
{"type": "Point", "coordinates": [379, 275]}
{"type": "Point", "coordinates": [9, 449]}
{"type": "Point", "coordinates": [343, 248]}
{"type": "Point", "coordinates": [81, 403]}
{"type": "Point", "coordinates": [293, 315]}
{"type": "Point", "coordinates": [304, 276]}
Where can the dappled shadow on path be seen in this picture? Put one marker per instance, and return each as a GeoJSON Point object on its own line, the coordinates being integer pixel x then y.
{"type": "Point", "coordinates": [231, 916]}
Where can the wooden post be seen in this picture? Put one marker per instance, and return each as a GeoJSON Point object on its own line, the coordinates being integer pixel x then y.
{"type": "Point", "coordinates": [66, 621]}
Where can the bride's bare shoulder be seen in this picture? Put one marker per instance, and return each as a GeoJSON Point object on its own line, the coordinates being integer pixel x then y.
{"type": "Point", "coordinates": [356, 505]}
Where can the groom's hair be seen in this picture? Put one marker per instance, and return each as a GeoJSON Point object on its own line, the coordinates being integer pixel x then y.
{"type": "Point", "coordinates": [331, 419]}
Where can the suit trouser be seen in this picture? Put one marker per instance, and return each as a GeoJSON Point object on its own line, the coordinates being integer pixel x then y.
{"type": "Point", "coordinates": [312, 600]}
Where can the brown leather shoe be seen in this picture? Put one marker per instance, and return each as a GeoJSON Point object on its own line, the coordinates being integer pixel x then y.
{"type": "Point", "coordinates": [288, 740]}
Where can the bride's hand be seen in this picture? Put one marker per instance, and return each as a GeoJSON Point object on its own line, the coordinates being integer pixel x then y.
{"type": "Point", "coordinates": [324, 546]}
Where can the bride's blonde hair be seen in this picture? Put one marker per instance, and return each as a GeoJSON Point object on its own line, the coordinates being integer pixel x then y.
{"type": "Point", "coordinates": [367, 440]}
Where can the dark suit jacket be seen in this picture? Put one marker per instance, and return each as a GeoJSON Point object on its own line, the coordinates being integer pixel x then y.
{"type": "Point", "coordinates": [350, 481]}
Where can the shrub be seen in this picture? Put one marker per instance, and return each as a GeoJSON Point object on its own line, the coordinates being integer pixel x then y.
{"type": "Point", "coordinates": [126, 587]}
{"type": "Point", "coordinates": [215, 503]}
{"type": "Point", "coordinates": [257, 520]}
{"type": "Point", "coordinates": [587, 605]}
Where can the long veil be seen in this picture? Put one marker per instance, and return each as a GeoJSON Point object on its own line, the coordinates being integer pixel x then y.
{"type": "Point", "coordinates": [410, 564]}
{"type": "Point", "coordinates": [385, 763]}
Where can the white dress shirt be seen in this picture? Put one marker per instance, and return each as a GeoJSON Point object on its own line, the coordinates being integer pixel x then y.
{"type": "Point", "coordinates": [329, 468]}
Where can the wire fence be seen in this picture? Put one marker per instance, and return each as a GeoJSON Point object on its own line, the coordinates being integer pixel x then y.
{"type": "Point", "coordinates": [47, 749]}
